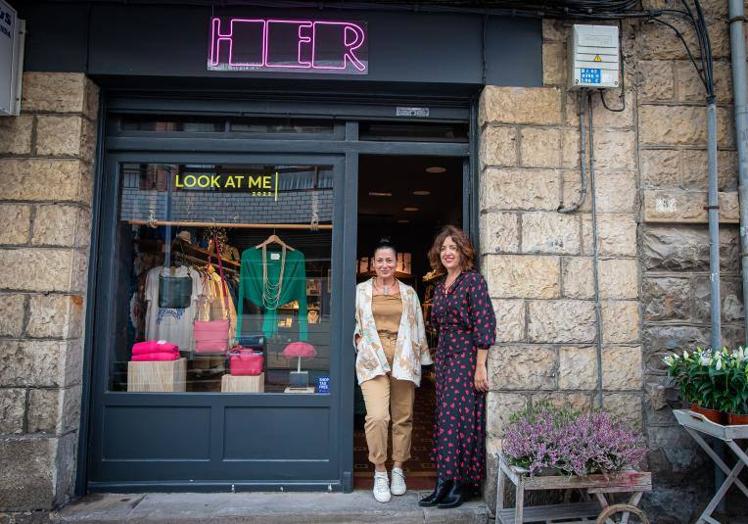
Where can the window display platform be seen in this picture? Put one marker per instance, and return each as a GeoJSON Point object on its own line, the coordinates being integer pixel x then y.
{"type": "Point", "coordinates": [243, 384]}
{"type": "Point", "coordinates": [166, 376]}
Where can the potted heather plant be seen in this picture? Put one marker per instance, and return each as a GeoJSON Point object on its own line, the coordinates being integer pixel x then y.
{"type": "Point", "coordinates": [548, 440]}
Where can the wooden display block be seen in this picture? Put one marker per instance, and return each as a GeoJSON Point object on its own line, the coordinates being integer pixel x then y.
{"type": "Point", "coordinates": [164, 376]}
{"type": "Point", "coordinates": [243, 383]}
{"type": "Point", "coordinates": [289, 389]}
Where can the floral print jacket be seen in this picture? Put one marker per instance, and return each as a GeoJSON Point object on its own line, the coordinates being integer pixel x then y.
{"type": "Point", "coordinates": [411, 348]}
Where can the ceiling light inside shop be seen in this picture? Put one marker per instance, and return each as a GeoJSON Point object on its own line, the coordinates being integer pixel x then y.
{"type": "Point", "coordinates": [379, 194]}
{"type": "Point", "coordinates": [421, 193]}
{"type": "Point", "coordinates": [436, 169]}
{"type": "Point", "coordinates": [410, 209]}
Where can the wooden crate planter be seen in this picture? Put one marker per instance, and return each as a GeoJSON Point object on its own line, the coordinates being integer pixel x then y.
{"type": "Point", "coordinates": [597, 486]}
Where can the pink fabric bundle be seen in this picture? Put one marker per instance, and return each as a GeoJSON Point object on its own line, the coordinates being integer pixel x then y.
{"type": "Point", "coordinates": [154, 350]}
{"type": "Point", "coordinates": [155, 356]}
{"type": "Point", "coordinates": [299, 349]}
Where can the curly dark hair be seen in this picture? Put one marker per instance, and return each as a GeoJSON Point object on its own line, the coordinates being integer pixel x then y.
{"type": "Point", "coordinates": [464, 245]}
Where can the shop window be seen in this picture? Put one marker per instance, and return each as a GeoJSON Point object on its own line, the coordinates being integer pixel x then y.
{"type": "Point", "coordinates": [413, 132]}
{"type": "Point", "coordinates": [222, 279]}
{"type": "Point", "coordinates": [286, 126]}
{"type": "Point", "coordinates": [244, 125]}
{"type": "Point", "coordinates": [171, 125]}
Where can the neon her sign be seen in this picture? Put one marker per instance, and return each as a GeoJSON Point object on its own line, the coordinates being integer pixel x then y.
{"type": "Point", "coordinates": [300, 46]}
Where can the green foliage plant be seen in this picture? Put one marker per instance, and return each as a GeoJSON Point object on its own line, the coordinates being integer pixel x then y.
{"type": "Point", "coordinates": [712, 379]}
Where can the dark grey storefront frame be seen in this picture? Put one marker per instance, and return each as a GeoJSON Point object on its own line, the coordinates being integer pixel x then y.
{"type": "Point", "coordinates": [342, 151]}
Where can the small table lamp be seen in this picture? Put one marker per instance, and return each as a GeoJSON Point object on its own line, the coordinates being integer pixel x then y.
{"type": "Point", "coordinates": [298, 378]}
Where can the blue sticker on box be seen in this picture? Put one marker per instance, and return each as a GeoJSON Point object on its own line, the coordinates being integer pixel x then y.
{"type": "Point", "coordinates": [323, 384]}
{"type": "Point", "coordinates": [591, 75]}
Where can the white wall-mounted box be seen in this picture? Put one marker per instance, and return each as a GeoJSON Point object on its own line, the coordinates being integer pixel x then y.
{"type": "Point", "coordinates": [594, 56]}
{"type": "Point", "coordinates": [12, 35]}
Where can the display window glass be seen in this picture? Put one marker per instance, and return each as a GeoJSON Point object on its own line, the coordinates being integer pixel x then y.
{"type": "Point", "coordinates": [235, 126]}
{"type": "Point", "coordinates": [222, 279]}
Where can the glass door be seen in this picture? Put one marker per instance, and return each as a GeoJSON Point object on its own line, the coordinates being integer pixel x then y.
{"type": "Point", "coordinates": [219, 325]}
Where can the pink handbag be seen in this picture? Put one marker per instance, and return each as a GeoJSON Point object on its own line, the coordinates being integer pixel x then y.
{"type": "Point", "coordinates": [245, 362]}
{"type": "Point", "coordinates": [212, 336]}
{"type": "Point", "coordinates": [154, 346]}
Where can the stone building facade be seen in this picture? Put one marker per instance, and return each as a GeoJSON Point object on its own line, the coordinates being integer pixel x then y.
{"type": "Point", "coordinates": [650, 179]}
{"type": "Point", "coordinates": [649, 194]}
{"type": "Point", "coordinates": [46, 173]}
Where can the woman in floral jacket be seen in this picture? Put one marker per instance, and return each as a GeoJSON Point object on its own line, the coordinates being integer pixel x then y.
{"type": "Point", "coordinates": [390, 341]}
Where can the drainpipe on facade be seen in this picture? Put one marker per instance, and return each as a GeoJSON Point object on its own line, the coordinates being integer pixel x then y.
{"type": "Point", "coordinates": [713, 213]}
{"type": "Point", "coordinates": [739, 86]}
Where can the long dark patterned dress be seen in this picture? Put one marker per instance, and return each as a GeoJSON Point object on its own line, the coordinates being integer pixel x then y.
{"type": "Point", "coordinates": [466, 321]}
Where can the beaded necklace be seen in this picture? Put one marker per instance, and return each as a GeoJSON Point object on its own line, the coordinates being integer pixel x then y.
{"type": "Point", "coordinates": [271, 291]}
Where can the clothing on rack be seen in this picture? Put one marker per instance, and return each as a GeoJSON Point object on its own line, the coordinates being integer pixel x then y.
{"type": "Point", "coordinates": [270, 278]}
{"type": "Point", "coordinates": [211, 304]}
{"type": "Point", "coordinates": [171, 324]}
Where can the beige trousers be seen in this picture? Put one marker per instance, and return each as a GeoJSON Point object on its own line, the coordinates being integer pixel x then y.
{"type": "Point", "coordinates": [388, 399]}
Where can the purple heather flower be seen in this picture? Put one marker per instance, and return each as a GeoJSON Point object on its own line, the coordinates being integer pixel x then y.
{"type": "Point", "coordinates": [571, 443]}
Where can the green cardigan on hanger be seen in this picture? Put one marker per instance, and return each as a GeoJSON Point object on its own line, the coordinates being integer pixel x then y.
{"type": "Point", "coordinates": [293, 286]}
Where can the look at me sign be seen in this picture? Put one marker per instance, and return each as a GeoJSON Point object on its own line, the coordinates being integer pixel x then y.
{"type": "Point", "coordinates": [296, 46]}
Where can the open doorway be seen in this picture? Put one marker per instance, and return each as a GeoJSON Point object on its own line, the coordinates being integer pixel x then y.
{"type": "Point", "coordinates": [407, 199]}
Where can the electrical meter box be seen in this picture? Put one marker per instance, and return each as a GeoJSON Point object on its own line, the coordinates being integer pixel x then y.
{"type": "Point", "coordinates": [12, 34]}
{"type": "Point", "coordinates": [594, 56]}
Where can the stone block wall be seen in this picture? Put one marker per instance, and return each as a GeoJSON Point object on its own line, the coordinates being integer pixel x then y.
{"type": "Point", "coordinates": [46, 180]}
{"type": "Point", "coordinates": [650, 190]}
{"type": "Point", "coordinates": [674, 241]}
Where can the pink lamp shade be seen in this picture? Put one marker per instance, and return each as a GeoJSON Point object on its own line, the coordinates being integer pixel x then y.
{"type": "Point", "coordinates": [299, 349]}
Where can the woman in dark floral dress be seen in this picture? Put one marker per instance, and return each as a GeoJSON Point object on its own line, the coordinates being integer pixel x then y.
{"type": "Point", "coordinates": [463, 314]}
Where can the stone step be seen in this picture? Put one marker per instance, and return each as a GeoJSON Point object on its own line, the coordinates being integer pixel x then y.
{"type": "Point", "coordinates": [262, 508]}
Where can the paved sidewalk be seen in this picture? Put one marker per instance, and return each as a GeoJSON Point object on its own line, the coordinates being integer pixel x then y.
{"type": "Point", "coordinates": [262, 508]}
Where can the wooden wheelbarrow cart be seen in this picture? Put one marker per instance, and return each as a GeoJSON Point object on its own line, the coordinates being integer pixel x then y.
{"type": "Point", "coordinates": [595, 510]}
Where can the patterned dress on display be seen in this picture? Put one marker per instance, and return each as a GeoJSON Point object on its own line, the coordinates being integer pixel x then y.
{"type": "Point", "coordinates": [465, 319]}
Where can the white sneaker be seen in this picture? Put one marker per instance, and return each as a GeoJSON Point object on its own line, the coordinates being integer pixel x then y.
{"type": "Point", "coordinates": [381, 487]}
{"type": "Point", "coordinates": [398, 486]}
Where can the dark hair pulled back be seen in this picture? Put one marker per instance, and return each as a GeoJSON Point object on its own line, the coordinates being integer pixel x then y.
{"type": "Point", "coordinates": [385, 243]}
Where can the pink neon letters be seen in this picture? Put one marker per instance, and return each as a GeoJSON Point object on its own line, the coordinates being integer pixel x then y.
{"type": "Point", "coordinates": [273, 44]}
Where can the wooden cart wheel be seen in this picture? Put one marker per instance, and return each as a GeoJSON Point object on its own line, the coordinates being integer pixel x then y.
{"type": "Point", "coordinates": [622, 514]}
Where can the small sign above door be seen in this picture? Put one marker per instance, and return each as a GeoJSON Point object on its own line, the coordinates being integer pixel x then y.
{"type": "Point", "coordinates": [288, 46]}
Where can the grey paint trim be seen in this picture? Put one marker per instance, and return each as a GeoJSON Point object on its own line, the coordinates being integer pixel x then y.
{"type": "Point", "coordinates": [342, 402]}
{"type": "Point", "coordinates": [172, 42]}
{"type": "Point", "coordinates": [84, 434]}
{"type": "Point", "coordinates": [217, 145]}
{"type": "Point", "coordinates": [101, 355]}
{"type": "Point", "coordinates": [474, 178]}
{"type": "Point", "coordinates": [212, 487]}
{"type": "Point", "coordinates": [310, 105]}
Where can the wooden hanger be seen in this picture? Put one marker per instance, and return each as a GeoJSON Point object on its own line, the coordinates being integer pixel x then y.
{"type": "Point", "coordinates": [274, 239]}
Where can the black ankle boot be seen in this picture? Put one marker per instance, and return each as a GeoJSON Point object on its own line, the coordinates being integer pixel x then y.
{"type": "Point", "coordinates": [440, 491]}
{"type": "Point", "coordinates": [455, 497]}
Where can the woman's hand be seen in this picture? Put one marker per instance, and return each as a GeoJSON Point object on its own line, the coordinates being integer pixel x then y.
{"type": "Point", "coordinates": [481, 377]}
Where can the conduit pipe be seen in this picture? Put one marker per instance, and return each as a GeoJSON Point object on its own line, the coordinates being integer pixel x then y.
{"type": "Point", "coordinates": [713, 213]}
{"type": "Point", "coordinates": [739, 87]}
